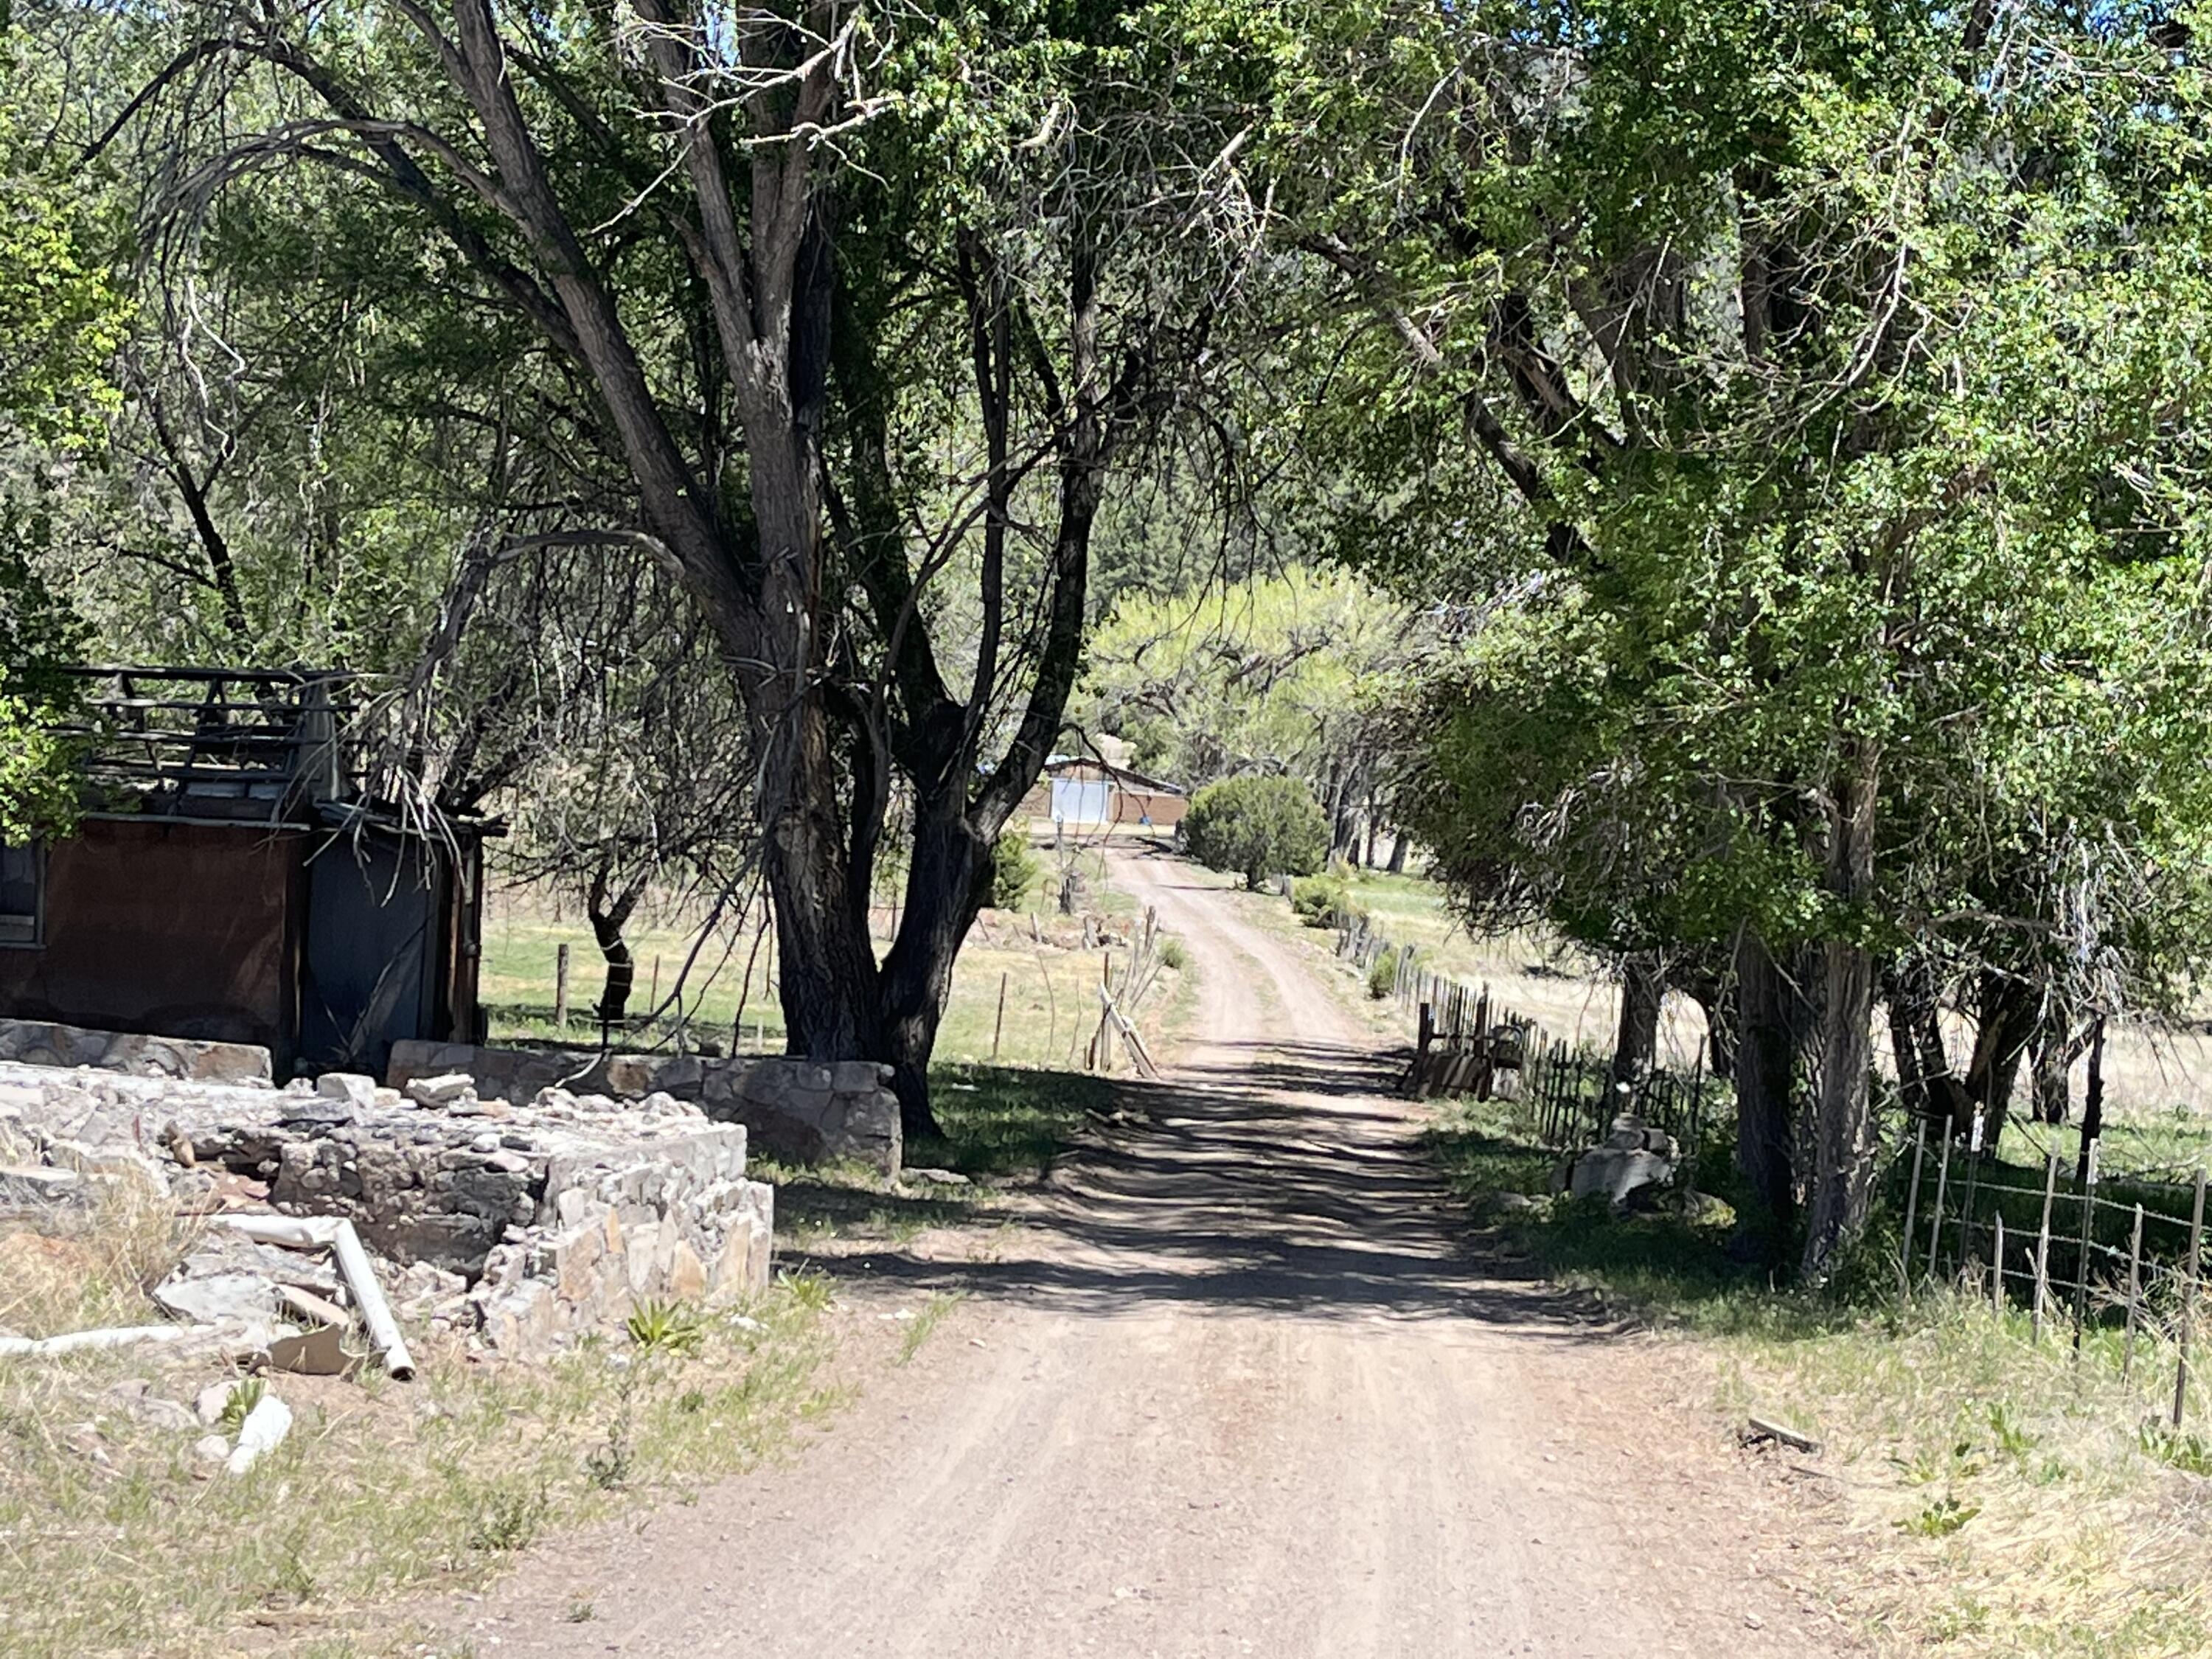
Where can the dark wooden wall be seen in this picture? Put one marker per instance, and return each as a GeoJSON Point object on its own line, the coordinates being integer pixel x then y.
{"type": "Point", "coordinates": [177, 929]}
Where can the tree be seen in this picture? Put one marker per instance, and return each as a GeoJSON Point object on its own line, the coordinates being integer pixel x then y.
{"type": "Point", "coordinates": [769, 251]}
{"type": "Point", "coordinates": [1805, 392]}
{"type": "Point", "coordinates": [1259, 827]}
{"type": "Point", "coordinates": [60, 322]}
{"type": "Point", "coordinates": [1286, 671]}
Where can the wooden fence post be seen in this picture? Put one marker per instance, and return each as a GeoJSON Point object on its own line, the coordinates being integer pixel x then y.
{"type": "Point", "coordinates": [561, 987]}
{"type": "Point", "coordinates": [1935, 1220]}
{"type": "Point", "coordinates": [2135, 1293]}
{"type": "Point", "coordinates": [2043, 1245]}
{"type": "Point", "coordinates": [999, 1025]}
{"type": "Point", "coordinates": [1997, 1269]}
{"type": "Point", "coordinates": [2189, 1299]}
{"type": "Point", "coordinates": [2081, 1261]}
{"type": "Point", "coordinates": [1912, 1197]}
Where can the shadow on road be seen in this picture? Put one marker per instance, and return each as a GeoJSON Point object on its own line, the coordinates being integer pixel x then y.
{"type": "Point", "coordinates": [1262, 1176]}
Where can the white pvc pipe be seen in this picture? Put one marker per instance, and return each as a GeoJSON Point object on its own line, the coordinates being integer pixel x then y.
{"type": "Point", "coordinates": [337, 1235]}
{"type": "Point", "coordinates": [119, 1337]}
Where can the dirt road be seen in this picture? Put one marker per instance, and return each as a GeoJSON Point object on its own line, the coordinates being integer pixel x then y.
{"type": "Point", "coordinates": [1236, 1387]}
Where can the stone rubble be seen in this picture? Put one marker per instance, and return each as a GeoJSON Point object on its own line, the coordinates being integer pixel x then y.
{"type": "Point", "coordinates": [517, 1226]}
{"type": "Point", "coordinates": [1633, 1157]}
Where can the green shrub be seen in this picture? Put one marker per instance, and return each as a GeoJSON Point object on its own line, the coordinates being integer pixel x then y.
{"type": "Point", "coordinates": [1383, 976]}
{"type": "Point", "coordinates": [1015, 871]}
{"type": "Point", "coordinates": [1316, 900]}
{"type": "Point", "coordinates": [1259, 827]}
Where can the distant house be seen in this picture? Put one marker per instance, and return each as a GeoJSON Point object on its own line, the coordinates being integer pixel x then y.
{"type": "Point", "coordinates": [233, 877]}
{"type": "Point", "coordinates": [1081, 793]}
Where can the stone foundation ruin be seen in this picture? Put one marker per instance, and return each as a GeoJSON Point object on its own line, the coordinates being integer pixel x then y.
{"type": "Point", "coordinates": [517, 1224]}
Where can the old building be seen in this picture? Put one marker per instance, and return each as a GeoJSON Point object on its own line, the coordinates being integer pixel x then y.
{"type": "Point", "coordinates": [236, 876]}
{"type": "Point", "coordinates": [1080, 792]}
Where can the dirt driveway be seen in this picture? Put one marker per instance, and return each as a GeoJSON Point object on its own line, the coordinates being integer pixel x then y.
{"type": "Point", "coordinates": [1235, 1386]}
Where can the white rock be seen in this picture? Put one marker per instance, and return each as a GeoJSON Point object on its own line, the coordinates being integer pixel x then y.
{"type": "Point", "coordinates": [212, 1447]}
{"type": "Point", "coordinates": [439, 1091]}
{"type": "Point", "coordinates": [349, 1086]}
{"type": "Point", "coordinates": [263, 1432]}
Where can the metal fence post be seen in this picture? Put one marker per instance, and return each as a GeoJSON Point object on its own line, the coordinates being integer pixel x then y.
{"type": "Point", "coordinates": [1912, 1197]}
{"type": "Point", "coordinates": [2189, 1299]}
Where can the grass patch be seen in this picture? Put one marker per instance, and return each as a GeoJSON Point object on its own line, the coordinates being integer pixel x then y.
{"type": "Point", "coordinates": [115, 1538]}
{"type": "Point", "coordinates": [1000, 1120]}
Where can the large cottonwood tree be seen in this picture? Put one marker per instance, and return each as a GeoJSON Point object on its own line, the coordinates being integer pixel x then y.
{"type": "Point", "coordinates": [866, 303]}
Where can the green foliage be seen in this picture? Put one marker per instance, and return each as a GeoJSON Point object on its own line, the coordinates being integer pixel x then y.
{"type": "Point", "coordinates": [1939, 1519]}
{"type": "Point", "coordinates": [657, 1326]}
{"type": "Point", "coordinates": [1381, 977]}
{"type": "Point", "coordinates": [1317, 900]}
{"type": "Point", "coordinates": [1258, 826]}
{"type": "Point", "coordinates": [1016, 869]}
{"type": "Point", "coordinates": [1284, 670]}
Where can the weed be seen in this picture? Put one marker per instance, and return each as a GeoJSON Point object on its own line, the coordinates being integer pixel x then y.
{"type": "Point", "coordinates": [1939, 1519]}
{"type": "Point", "coordinates": [1173, 954]}
{"type": "Point", "coordinates": [922, 1324]}
{"type": "Point", "coordinates": [579, 1611]}
{"type": "Point", "coordinates": [807, 1289]}
{"type": "Point", "coordinates": [238, 1405]}
{"type": "Point", "coordinates": [2012, 1440]}
{"type": "Point", "coordinates": [509, 1516]}
{"type": "Point", "coordinates": [658, 1327]}
{"type": "Point", "coordinates": [691, 1402]}
{"type": "Point", "coordinates": [2190, 1453]}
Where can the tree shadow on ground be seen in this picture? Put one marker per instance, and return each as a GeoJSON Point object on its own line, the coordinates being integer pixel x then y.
{"type": "Point", "coordinates": [1270, 1178]}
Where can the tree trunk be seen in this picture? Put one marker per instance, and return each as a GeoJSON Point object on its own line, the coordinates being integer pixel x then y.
{"type": "Point", "coordinates": [608, 918]}
{"type": "Point", "coordinates": [1397, 865]}
{"type": "Point", "coordinates": [947, 881]}
{"type": "Point", "coordinates": [2057, 1046]}
{"type": "Point", "coordinates": [1636, 1043]}
{"type": "Point", "coordinates": [2007, 1008]}
{"type": "Point", "coordinates": [1924, 1079]}
{"type": "Point", "coordinates": [1843, 1121]}
{"type": "Point", "coordinates": [1769, 1027]}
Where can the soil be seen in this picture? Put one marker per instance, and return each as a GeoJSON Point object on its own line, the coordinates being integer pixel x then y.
{"type": "Point", "coordinates": [1237, 1382]}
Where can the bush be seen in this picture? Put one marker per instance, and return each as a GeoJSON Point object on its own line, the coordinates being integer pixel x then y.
{"type": "Point", "coordinates": [1258, 827]}
{"type": "Point", "coordinates": [1383, 976]}
{"type": "Point", "coordinates": [1317, 900]}
{"type": "Point", "coordinates": [1015, 871]}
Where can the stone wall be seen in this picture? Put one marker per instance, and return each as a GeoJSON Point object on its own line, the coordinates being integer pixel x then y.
{"type": "Point", "coordinates": [560, 1213]}
{"type": "Point", "coordinates": [39, 1043]}
{"type": "Point", "coordinates": [809, 1111]}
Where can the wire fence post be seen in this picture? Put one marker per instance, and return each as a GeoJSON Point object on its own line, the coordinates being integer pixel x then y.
{"type": "Point", "coordinates": [1935, 1220]}
{"type": "Point", "coordinates": [2189, 1298]}
{"type": "Point", "coordinates": [2135, 1295]}
{"type": "Point", "coordinates": [2081, 1261]}
{"type": "Point", "coordinates": [999, 1025]}
{"type": "Point", "coordinates": [1996, 1268]}
{"type": "Point", "coordinates": [1912, 1197]}
{"type": "Point", "coordinates": [561, 987]}
{"type": "Point", "coordinates": [2043, 1245]}
{"type": "Point", "coordinates": [1966, 1207]}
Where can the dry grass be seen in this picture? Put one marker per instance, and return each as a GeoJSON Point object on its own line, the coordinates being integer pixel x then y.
{"type": "Point", "coordinates": [74, 1270]}
{"type": "Point", "coordinates": [2001, 1499]}
{"type": "Point", "coordinates": [116, 1538]}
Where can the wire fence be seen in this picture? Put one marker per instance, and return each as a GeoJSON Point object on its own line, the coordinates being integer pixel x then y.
{"type": "Point", "coordinates": [2120, 1255]}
